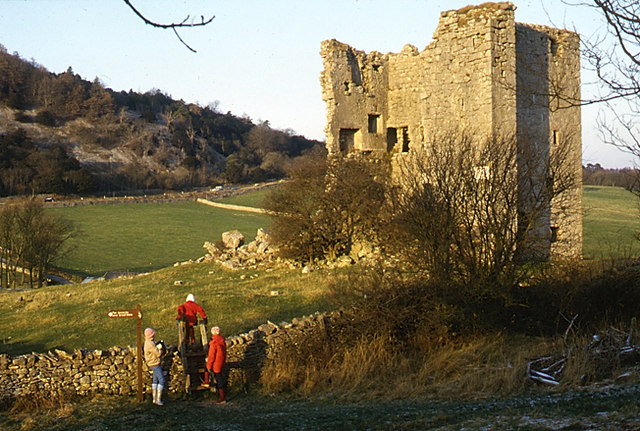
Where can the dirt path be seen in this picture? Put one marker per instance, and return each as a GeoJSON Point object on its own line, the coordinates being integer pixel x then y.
{"type": "Point", "coordinates": [607, 408]}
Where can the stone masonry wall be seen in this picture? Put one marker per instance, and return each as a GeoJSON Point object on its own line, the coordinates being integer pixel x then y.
{"type": "Point", "coordinates": [113, 371]}
{"type": "Point", "coordinates": [482, 75]}
{"type": "Point", "coordinates": [549, 126]}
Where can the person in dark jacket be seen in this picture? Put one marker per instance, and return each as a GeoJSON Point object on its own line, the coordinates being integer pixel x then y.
{"type": "Point", "coordinates": [216, 357]}
{"type": "Point", "coordinates": [189, 313]}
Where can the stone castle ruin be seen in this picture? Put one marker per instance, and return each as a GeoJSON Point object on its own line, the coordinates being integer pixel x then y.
{"type": "Point", "coordinates": [483, 74]}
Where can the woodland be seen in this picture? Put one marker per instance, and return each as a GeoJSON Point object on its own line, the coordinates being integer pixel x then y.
{"type": "Point", "coordinates": [62, 134]}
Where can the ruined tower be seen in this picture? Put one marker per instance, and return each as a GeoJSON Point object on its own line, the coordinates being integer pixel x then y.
{"type": "Point", "coordinates": [482, 73]}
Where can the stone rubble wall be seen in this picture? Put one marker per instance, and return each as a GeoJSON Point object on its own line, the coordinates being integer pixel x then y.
{"type": "Point", "coordinates": [482, 75]}
{"type": "Point", "coordinates": [231, 252]}
{"type": "Point", "coordinates": [113, 371]}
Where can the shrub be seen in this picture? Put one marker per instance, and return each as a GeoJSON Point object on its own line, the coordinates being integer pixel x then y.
{"type": "Point", "coordinates": [468, 210]}
{"type": "Point", "coordinates": [328, 206]}
{"type": "Point", "coordinates": [22, 117]}
{"type": "Point", "coordinates": [45, 118]}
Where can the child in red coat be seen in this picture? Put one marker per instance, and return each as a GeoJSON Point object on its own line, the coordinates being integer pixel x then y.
{"type": "Point", "coordinates": [189, 313]}
{"type": "Point", "coordinates": [216, 358]}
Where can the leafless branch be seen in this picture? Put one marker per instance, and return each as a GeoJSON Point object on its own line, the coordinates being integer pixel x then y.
{"type": "Point", "coordinates": [174, 26]}
{"type": "Point", "coordinates": [613, 54]}
{"type": "Point", "coordinates": [566, 333]}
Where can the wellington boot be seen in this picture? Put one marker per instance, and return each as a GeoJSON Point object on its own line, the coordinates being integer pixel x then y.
{"type": "Point", "coordinates": [159, 397]}
{"type": "Point", "coordinates": [223, 397]}
{"type": "Point", "coordinates": [154, 393]}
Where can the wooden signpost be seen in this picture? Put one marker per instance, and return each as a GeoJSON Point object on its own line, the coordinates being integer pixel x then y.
{"type": "Point", "coordinates": [137, 313]}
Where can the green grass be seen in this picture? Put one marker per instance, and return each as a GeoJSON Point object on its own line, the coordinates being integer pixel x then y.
{"type": "Point", "coordinates": [147, 236]}
{"type": "Point", "coordinates": [611, 222]}
{"type": "Point", "coordinates": [144, 237]}
{"type": "Point", "coordinates": [75, 316]}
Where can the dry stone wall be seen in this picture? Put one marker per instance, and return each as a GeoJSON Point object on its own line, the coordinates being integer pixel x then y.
{"type": "Point", "coordinates": [113, 371]}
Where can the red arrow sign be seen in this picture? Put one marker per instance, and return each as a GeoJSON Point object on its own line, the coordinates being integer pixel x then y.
{"type": "Point", "coordinates": [122, 313]}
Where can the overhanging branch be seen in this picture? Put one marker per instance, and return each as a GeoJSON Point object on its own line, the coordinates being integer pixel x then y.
{"type": "Point", "coordinates": [174, 26]}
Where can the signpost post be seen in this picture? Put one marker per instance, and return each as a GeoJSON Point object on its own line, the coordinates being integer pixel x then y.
{"type": "Point", "coordinates": [137, 313]}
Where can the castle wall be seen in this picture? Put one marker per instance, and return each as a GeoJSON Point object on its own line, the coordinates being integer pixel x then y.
{"type": "Point", "coordinates": [482, 75]}
{"type": "Point", "coordinates": [566, 141]}
{"type": "Point", "coordinates": [549, 133]}
{"type": "Point", "coordinates": [460, 91]}
{"type": "Point", "coordinates": [357, 84]}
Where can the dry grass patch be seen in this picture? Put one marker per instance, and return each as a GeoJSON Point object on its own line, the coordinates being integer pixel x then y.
{"type": "Point", "coordinates": [490, 365]}
{"type": "Point", "coordinates": [54, 405]}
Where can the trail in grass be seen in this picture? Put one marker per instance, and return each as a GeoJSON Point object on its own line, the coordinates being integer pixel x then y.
{"type": "Point", "coordinates": [604, 408]}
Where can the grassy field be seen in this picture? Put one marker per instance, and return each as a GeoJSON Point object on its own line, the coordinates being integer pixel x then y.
{"type": "Point", "coordinates": [147, 236]}
{"type": "Point", "coordinates": [143, 237]}
{"type": "Point", "coordinates": [74, 316]}
{"type": "Point", "coordinates": [611, 223]}
{"type": "Point", "coordinates": [252, 199]}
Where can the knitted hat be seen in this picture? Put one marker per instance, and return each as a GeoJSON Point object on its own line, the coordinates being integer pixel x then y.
{"type": "Point", "coordinates": [191, 298]}
{"type": "Point", "coordinates": [149, 333]}
{"type": "Point", "coordinates": [215, 330]}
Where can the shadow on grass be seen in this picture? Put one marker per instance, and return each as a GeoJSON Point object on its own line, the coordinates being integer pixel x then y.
{"type": "Point", "coordinates": [17, 349]}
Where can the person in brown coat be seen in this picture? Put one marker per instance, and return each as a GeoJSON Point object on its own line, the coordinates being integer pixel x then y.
{"type": "Point", "coordinates": [152, 356]}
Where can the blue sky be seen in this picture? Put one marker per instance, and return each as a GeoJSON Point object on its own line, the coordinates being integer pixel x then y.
{"type": "Point", "coordinates": [258, 58]}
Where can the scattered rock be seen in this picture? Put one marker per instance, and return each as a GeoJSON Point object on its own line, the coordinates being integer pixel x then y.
{"type": "Point", "coordinates": [258, 253]}
{"type": "Point", "coordinates": [211, 248]}
{"type": "Point", "coordinates": [344, 261]}
{"type": "Point", "coordinates": [229, 264]}
{"type": "Point", "coordinates": [232, 239]}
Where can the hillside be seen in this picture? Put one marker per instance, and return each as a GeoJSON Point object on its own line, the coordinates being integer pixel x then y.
{"type": "Point", "coordinates": [60, 133]}
{"type": "Point", "coordinates": [237, 301]}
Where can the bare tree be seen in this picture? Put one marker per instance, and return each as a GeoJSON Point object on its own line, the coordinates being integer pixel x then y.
{"type": "Point", "coordinates": [173, 26]}
{"type": "Point", "coordinates": [30, 240]}
{"type": "Point", "coordinates": [614, 56]}
{"type": "Point", "coordinates": [325, 209]}
{"type": "Point", "coordinates": [48, 239]}
{"type": "Point", "coordinates": [469, 210]}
